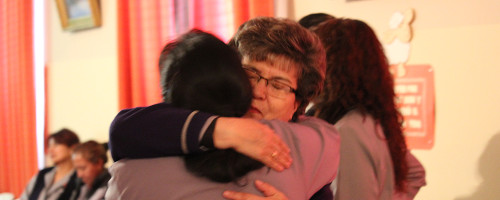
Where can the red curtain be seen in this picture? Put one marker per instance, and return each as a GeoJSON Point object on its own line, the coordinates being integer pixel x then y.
{"type": "Point", "coordinates": [144, 27]}
{"type": "Point", "coordinates": [18, 160]}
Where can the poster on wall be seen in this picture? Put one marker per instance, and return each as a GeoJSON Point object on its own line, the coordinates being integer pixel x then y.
{"type": "Point", "coordinates": [414, 84]}
{"type": "Point", "coordinates": [416, 102]}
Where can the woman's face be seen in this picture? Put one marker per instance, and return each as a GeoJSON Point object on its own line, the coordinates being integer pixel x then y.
{"type": "Point", "coordinates": [86, 170]}
{"type": "Point", "coordinates": [58, 152]}
{"type": "Point", "coordinates": [265, 104]}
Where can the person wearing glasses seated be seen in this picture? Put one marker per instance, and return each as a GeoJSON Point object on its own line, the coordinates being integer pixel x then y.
{"type": "Point", "coordinates": [288, 71]}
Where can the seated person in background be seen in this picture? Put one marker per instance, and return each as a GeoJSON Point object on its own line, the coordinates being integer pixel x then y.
{"type": "Point", "coordinates": [89, 159]}
{"type": "Point", "coordinates": [55, 182]}
{"type": "Point", "coordinates": [216, 82]}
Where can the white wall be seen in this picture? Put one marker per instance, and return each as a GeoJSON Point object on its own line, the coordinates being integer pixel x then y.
{"type": "Point", "coordinates": [82, 75]}
{"type": "Point", "coordinates": [460, 39]}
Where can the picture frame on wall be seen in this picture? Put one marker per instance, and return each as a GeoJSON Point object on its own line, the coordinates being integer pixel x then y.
{"type": "Point", "coordinates": [79, 14]}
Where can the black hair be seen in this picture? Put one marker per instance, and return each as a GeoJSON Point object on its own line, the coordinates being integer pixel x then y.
{"type": "Point", "coordinates": [314, 19]}
{"type": "Point", "coordinates": [200, 72]}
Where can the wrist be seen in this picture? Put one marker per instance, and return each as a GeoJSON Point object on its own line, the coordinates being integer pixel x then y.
{"type": "Point", "coordinates": [222, 137]}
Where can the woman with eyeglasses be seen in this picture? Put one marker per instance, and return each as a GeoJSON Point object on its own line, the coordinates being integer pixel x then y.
{"type": "Point", "coordinates": [313, 143]}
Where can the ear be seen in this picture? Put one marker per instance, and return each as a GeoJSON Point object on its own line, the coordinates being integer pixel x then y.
{"type": "Point", "coordinates": [296, 105]}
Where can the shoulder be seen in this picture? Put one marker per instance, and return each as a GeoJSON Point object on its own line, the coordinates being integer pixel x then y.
{"type": "Point", "coordinates": [360, 128]}
{"type": "Point", "coordinates": [45, 172]}
{"type": "Point", "coordinates": [99, 194]}
{"type": "Point", "coordinates": [353, 117]}
{"type": "Point", "coordinates": [304, 127]}
{"type": "Point", "coordinates": [358, 121]}
{"type": "Point", "coordinates": [135, 168]}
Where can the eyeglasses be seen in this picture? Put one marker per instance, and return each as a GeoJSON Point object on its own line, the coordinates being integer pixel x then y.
{"type": "Point", "coordinates": [274, 87]}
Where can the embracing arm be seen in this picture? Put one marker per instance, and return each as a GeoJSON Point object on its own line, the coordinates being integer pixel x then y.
{"type": "Point", "coordinates": [156, 131]}
{"type": "Point", "coordinates": [163, 130]}
{"type": "Point", "coordinates": [315, 146]}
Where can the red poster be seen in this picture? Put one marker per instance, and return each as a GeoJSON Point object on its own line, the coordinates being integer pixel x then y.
{"type": "Point", "coordinates": [414, 86]}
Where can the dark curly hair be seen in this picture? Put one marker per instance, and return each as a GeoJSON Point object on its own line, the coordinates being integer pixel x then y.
{"type": "Point", "coordinates": [358, 78]}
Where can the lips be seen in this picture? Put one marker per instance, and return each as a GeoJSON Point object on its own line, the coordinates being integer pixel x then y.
{"type": "Point", "coordinates": [254, 110]}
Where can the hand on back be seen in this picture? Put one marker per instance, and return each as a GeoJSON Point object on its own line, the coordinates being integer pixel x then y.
{"type": "Point", "coordinates": [254, 139]}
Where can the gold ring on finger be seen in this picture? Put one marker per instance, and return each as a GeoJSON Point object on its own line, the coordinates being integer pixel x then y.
{"type": "Point", "coordinates": [274, 154]}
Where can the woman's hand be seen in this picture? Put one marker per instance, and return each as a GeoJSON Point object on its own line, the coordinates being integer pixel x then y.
{"type": "Point", "coordinates": [254, 139]}
{"type": "Point", "coordinates": [268, 190]}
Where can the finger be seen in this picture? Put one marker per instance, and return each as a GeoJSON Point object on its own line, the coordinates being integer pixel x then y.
{"type": "Point", "coordinates": [284, 152]}
{"type": "Point", "coordinates": [265, 157]}
{"type": "Point", "coordinates": [277, 144]}
{"type": "Point", "coordinates": [274, 164]}
{"type": "Point", "coordinates": [282, 156]}
{"type": "Point", "coordinates": [266, 189]}
{"type": "Point", "coordinates": [281, 144]}
{"type": "Point", "coordinates": [269, 191]}
{"type": "Point", "coordinates": [272, 158]}
{"type": "Point", "coordinates": [275, 153]}
{"type": "Point", "coordinates": [285, 160]}
{"type": "Point", "coordinates": [238, 195]}
{"type": "Point", "coordinates": [284, 146]}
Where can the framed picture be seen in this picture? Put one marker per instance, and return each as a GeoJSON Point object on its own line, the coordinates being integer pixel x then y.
{"type": "Point", "coordinates": [79, 14]}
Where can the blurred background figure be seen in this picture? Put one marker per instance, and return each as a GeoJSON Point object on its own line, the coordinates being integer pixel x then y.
{"type": "Point", "coordinates": [55, 182]}
{"type": "Point", "coordinates": [89, 159]}
{"type": "Point", "coordinates": [359, 99]}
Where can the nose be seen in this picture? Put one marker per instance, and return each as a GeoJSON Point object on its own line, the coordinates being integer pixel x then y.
{"type": "Point", "coordinates": [260, 89]}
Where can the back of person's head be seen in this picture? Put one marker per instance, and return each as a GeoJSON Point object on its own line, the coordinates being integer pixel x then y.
{"type": "Point", "coordinates": [65, 136]}
{"type": "Point", "coordinates": [358, 77]}
{"type": "Point", "coordinates": [314, 19]}
{"type": "Point", "coordinates": [92, 151]}
{"type": "Point", "coordinates": [201, 72]}
{"type": "Point", "coordinates": [285, 44]}
{"type": "Point", "coordinates": [357, 69]}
